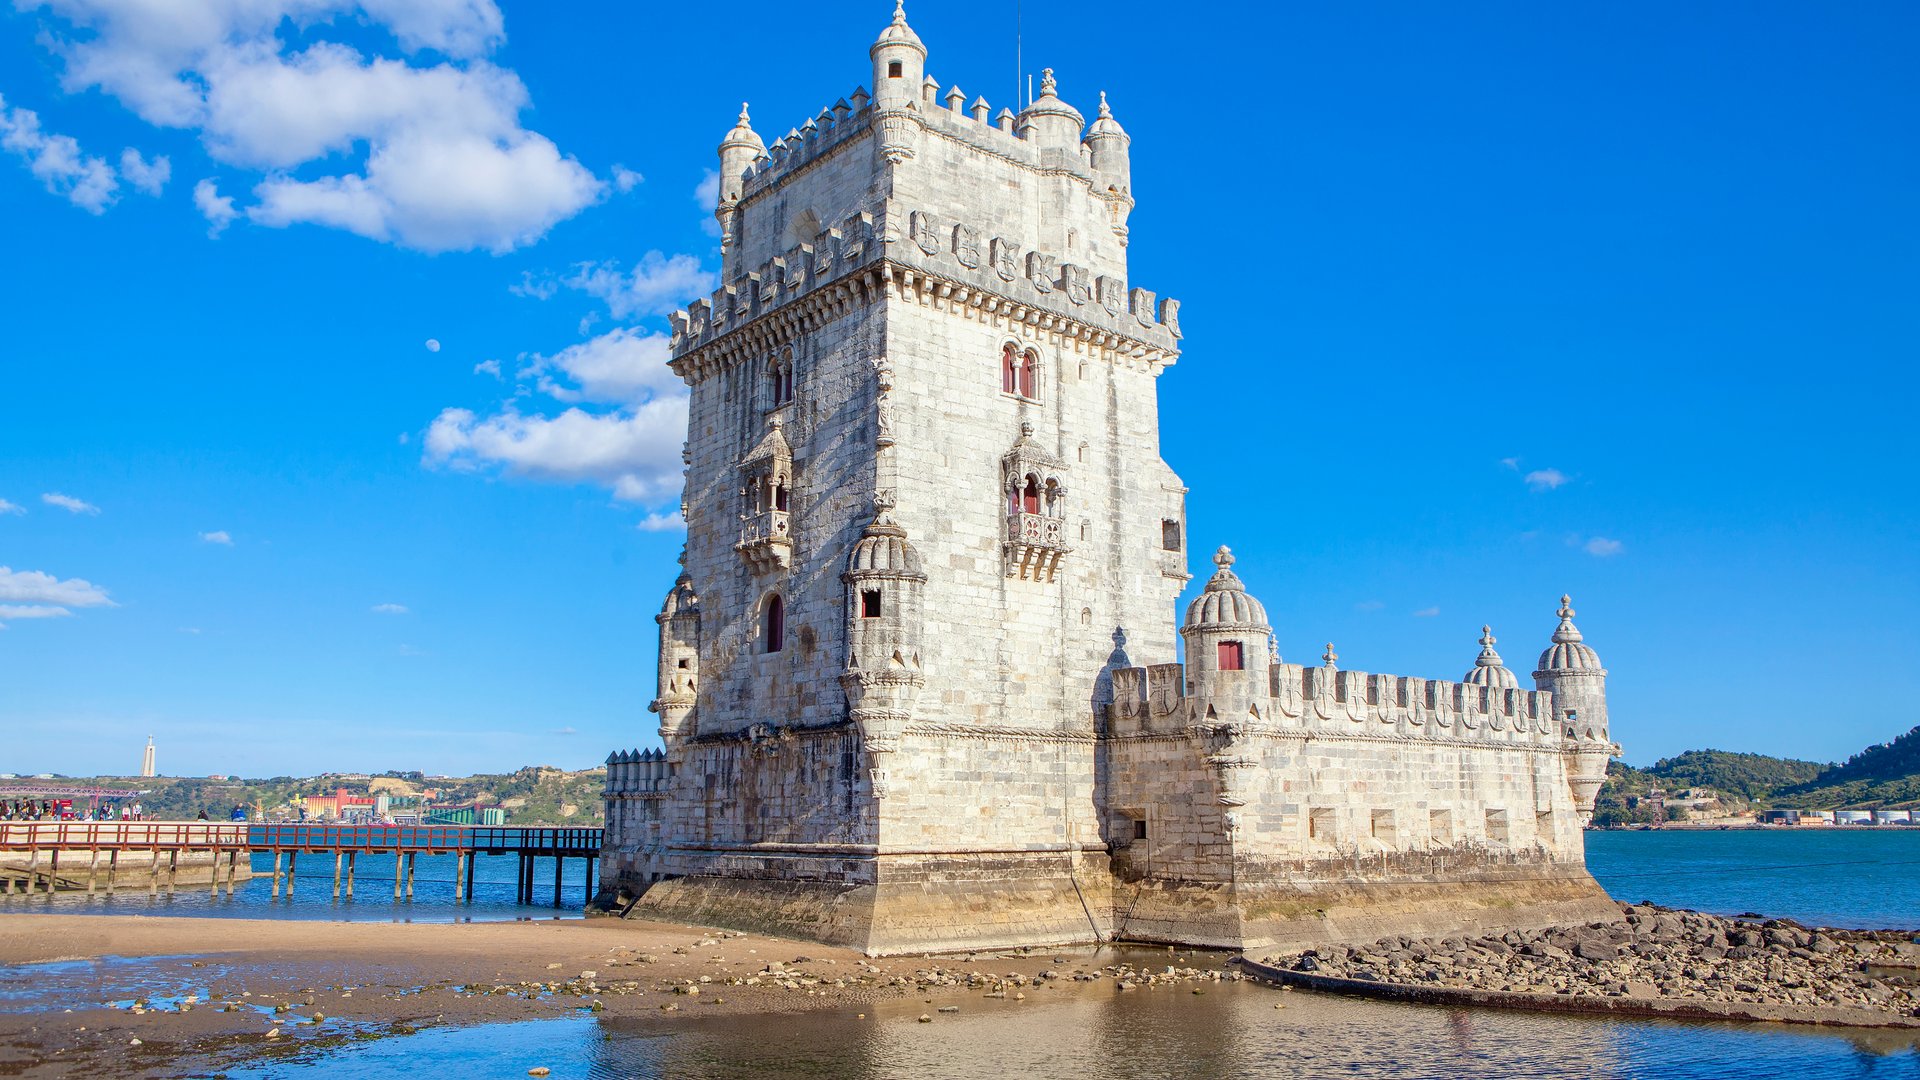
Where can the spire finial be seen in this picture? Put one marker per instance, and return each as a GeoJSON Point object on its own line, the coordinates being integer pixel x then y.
{"type": "Point", "coordinates": [1331, 658]}
{"type": "Point", "coordinates": [1106, 113]}
{"type": "Point", "coordinates": [899, 12]}
{"type": "Point", "coordinates": [1566, 606]}
{"type": "Point", "coordinates": [1224, 557]}
{"type": "Point", "coordinates": [743, 112]}
{"type": "Point", "coordinates": [1486, 635]}
{"type": "Point", "coordinates": [1046, 82]}
{"type": "Point", "coordinates": [1566, 631]}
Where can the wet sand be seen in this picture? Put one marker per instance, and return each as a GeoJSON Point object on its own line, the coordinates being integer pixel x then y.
{"type": "Point", "coordinates": [265, 986]}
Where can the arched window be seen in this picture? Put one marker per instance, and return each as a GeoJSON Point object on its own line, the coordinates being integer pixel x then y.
{"type": "Point", "coordinates": [1030, 496]}
{"type": "Point", "coordinates": [780, 379]}
{"type": "Point", "coordinates": [1029, 367]}
{"type": "Point", "coordinates": [780, 495]}
{"type": "Point", "coordinates": [775, 630]}
{"type": "Point", "coordinates": [1009, 370]}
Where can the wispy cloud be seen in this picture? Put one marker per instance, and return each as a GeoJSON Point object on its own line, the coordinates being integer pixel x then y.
{"type": "Point", "coordinates": [218, 536]}
{"type": "Point", "coordinates": [656, 285]}
{"type": "Point", "coordinates": [69, 503]}
{"type": "Point", "coordinates": [625, 179]}
{"type": "Point", "coordinates": [487, 367]}
{"type": "Point", "coordinates": [565, 731]}
{"type": "Point", "coordinates": [1511, 463]}
{"type": "Point", "coordinates": [543, 287]}
{"type": "Point", "coordinates": [390, 609]}
{"type": "Point", "coordinates": [215, 207]}
{"type": "Point", "coordinates": [1369, 605]}
{"type": "Point", "coordinates": [11, 508]}
{"type": "Point", "coordinates": [672, 522]}
{"type": "Point", "coordinates": [1545, 479]}
{"type": "Point", "coordinates": [1603, 547]}
{"type": "Point", "coordinates": [34, 594]}
{"type": "Point", "coordinates": [1426, 613]}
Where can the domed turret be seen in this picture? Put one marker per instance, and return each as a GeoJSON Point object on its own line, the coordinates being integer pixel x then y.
{"type": "Point", "coordinates": [679, 621]}
{"type": "Point", "coordinates": [1489, 669]}
{"type": "Point", "coordinates": [738, 151]}
{"type": "Point", "coordinates": [1229, 648]}
{"type": "Point", "coordinates": [1571, 670]}
{"type": "Point", "coordinates": [883, 677]}
{"type": "Point", "coordinates": [899, 62]}
{"type": "Point", "coordinates": [1107, 145]}
{"type": "Point", "coordinates": [1049, 122]}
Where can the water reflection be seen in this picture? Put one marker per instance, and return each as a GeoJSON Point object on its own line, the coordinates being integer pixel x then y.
{"type": "Point", "coordinates": [1096, 1033]}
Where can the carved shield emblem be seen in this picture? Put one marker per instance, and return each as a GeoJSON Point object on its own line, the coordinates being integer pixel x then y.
{"type": "Point", "coordinates": [1042, 270]}
{"type": "Point", "coordinates": [1005, 262]}
{"type": "Point", "coordinates": [1113, 294]}
{"type": "Point", "coordinates": [1078, 288]}
{"type": "Point", "coordinates": [926, 232]}
{"type": "Point", "coordinates": [1170, 315]}
{"type": "Point", "coordinates": [966, 246]}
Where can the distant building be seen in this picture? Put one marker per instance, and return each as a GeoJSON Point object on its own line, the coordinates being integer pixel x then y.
{"type": "Point", "coordinates": [146, 759]}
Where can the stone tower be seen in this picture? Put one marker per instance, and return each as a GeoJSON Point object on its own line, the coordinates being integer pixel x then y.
{"type": "Point", "coordinates": [920, 684]}
{"type": "Point", "coordinates": [924, 488]}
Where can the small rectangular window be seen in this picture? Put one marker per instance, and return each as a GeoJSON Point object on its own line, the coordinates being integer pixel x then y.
{"type": "Point", "coordinates": [1320, 824]}
{"type": "Point", "coordinates": [1383, 826]}
{"type": "Point", "coordinates": [1170, 535]}
{"type": "Point", "coordinates": [1230, 658]}
{"type": "Point", "coordinates": [893, 69]}
{"type": "Point", "coordinates": [870, 603]}
{"type": "Point", "coordinates": [1139, 828]}
{"type": "Point", "coordinates": [1440, 826]}
{"type": "Point", "coordinates": [1497, 826]}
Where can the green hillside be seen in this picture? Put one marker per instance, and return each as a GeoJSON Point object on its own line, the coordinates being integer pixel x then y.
{"type": "Point", "coordinates": [1884, 777]}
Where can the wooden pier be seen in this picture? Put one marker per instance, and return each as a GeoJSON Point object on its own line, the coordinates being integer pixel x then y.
{"type": "Point", "coordinates": [75, 855]}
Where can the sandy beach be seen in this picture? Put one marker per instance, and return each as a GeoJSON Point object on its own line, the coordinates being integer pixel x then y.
{"type": "Point", "coordinates": [272, 984]}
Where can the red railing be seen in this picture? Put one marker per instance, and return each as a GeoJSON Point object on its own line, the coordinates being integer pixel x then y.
{"type": "Point", "coordinates": [315, 836]}
{"type": "Point", "coordinates": [124, 835]}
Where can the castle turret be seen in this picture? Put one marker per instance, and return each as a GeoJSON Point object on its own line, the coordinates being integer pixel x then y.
{"type": "Point", "coordinates": [1229, 649]}
{"type": "Point", "coordinates": [883, 676]}
{"type": "Point", "coordinates": [738, 151]}
{"type": "Point", "coordinates": [679, 621]}
{"type": "Point", "coordinates": [1107, 145]}
{"type": "Point", "coordinates": [1488, 668]}
{"type": "Point", "coordinates": [1571, 670]}
{"type": "Point", "coordinates": [899, 69]}
{"type": "Point", "coordinates": [1050, 123]}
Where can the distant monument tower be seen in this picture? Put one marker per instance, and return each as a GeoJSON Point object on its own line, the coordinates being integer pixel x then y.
{"type": "Point", "coordinates": [146, 759]}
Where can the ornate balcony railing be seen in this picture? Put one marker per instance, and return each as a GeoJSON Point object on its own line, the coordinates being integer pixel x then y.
{"type": "Point", "coordinates": [766, 540]}
{"type": "Point", "coordinates": [1034, 546]}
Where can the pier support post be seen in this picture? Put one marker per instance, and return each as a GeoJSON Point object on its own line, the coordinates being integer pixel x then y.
{"type": "Point", "coordinates": [291, 856]}
{"type": "Point", "coordinates": [276, 874]}
{"type": "Point", "coordinates": [470, 861]}
{"type": "Point", "coordinates": [338, 858]}
{"type": "Point", "coordinates": [53, 871]}
{"type": "Point", "coordinates": [397, 867]}
{"type": "Point", "coordinates": [153, 874]}
{"type": "Point", "coordinates": [411, 856]}
{"type": "Point", "coordinates": [559, 861]}
{"type": "Point", "coordinates": [113, 869]}
{"type": "Point", "coordinates": [173, 870]}
{"type": "Point", "coordinates": [233, 867]}
{"type": "Point", "coordinates": [213, 872]}
{"type": "Point", "coordinates": [459, 875]}
{"type": "Point", "coordinates": [352, 857]}
{"type": "Point", "coordinates": [93, 869]}
{"type": "Point", "coordinates": [33, 868]}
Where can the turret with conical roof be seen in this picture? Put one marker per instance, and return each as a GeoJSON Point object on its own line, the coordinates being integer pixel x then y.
{"type": "Point", "coordinates": [738, 151]}
{"type": "Point", "coordinates": [679, 621]}
{"type": "Point", "coordinates": [1488, 668]}
{"type": "Point", "coordinates": [1108, 148]}
{"type": "Point", "coordinates": [883, 676]}
{"type": "Point", "coordinates": [1571, 670]}
{"type": "Point", "coordinates": [1049, 122]}
{"type": "Point", "coordinates": [899, 62]}
{"type": "Point", "coordinates": [1229, 648]}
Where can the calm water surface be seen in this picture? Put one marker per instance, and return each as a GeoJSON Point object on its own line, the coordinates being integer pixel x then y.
{"type": "Point", "coordinates": [1837, 877]}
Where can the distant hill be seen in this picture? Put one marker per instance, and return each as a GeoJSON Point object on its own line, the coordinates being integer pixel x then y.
{"type": "Point", "coordinates": [1737, 777]}
{"type": "Point", "coordinates": [1884, 777]}
{"type": "Point", "coordinates": [535, 795]}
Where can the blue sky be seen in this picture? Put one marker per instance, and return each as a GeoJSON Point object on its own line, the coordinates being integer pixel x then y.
{"type": "Point", "coordinates": [340, 440]}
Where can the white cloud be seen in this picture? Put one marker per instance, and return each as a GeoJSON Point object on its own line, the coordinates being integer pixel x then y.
{"type": "Point", "coordinates": [622, 365]}
{"type": "Point", "coordinates": [33, 611]}
{"type": "Point", "coordinates": [33, 587]}
{"type": "Point", "coordinates": [390, 609]}
{"type": "Point", "coordinates": [565, 731]}
{"type": "Point", "coordinates": [215, 207]}
{"type": "Point", "coordinates": [433, 344]}
{"type": "Point", "coordinates": [188, 630]}
{"type": "Point", "coordinates": [707, 194]}
{"type": "Point", "coordinates": [625, 179]}
{"type": "Point", "coordinates": [536, 288]}
{"type": "Point", "coordinates": [670, 522]}
{"type": "Point", "coordinates": [218, 536]}
{"type": "Point", "coordinates": [1604, 548]}
{"type": "Point", "coordinates": [11, 508]}
{"type": "Point", "coordinates": [57, 161]}
{"type": "Point", "coordinates": [1426, 613]}
{"type": "Point", "coordinates": [1545, 479]}
{"type": "Point", "coordinates": [1511, 463]}
{"type": "Point", "coordinates": [69, 503]}
{"type": "Point", "coordinates": [146, 176]}
{"type": "Point", "coordinates": [424, 151]}
{"type": "Point", "coordinates": [634, 450]}
{"type": "Point", "coordinates": [487, 367]}
{"type": "Point", "coordinates": [657, 285]}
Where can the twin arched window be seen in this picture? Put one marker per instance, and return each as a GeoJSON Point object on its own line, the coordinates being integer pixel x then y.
{"type": "Point", "coordinates": [780, 379]}
{"type": "Point", "coordinates": [1030, 496]}
{"type": "Point", "coordinates": [1019, 372]}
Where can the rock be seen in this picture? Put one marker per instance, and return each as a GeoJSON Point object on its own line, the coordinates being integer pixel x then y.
{"type": "Point", "coordinates": [925, 1019]}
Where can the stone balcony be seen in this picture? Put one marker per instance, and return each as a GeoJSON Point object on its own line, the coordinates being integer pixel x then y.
{"type": "Point", "coordinates": [1035, 545]}
{"type": "Point", "coordinates": [766, 540]}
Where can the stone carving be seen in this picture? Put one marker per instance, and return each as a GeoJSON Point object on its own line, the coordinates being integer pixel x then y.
{"type": "Point", "coordinates": [1142, 302]}
{"type": "Point", "coordinates": [966, 245]}
{"type": "Point", "coordinates": [1005, 259]}
{"type": "Point", "coordinates": [1076, 284]}
{"type": "Point", "coordinates": [883, 402]}
{"type": "Point", "coordinates": [1113, 294]}
{"type": "Point", "coordinates": [926, 232]}
{"type": "Point", "coordinates": [1043, 270]}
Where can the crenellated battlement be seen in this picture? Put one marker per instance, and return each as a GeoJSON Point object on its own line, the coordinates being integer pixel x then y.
{"type": "Point", "coordinates": [638, 774]}
{"type": "Point", "coordinates": [1324, 701]}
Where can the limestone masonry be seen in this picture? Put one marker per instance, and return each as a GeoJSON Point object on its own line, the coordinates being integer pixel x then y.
{"type": "Point", "coordinates": [917, 688]}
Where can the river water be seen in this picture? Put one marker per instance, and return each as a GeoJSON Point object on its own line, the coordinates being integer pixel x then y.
{"type": "Point", "coordinates": [1855, 877]}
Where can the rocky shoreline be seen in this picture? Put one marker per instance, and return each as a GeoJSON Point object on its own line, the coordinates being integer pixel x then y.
{"type": "Point", "coordinates": [1654, 960]}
